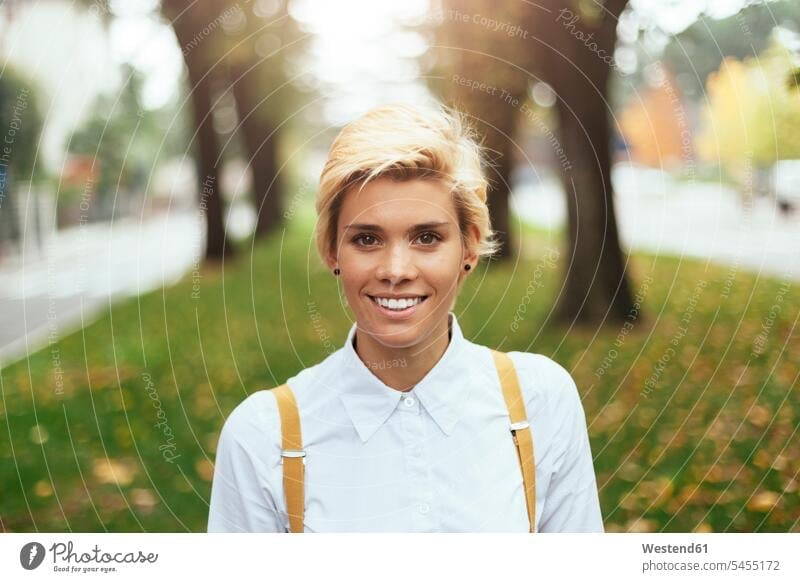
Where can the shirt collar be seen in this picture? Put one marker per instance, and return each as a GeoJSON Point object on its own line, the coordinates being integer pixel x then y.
{"type": "Point", "coordinates": [369, 402]}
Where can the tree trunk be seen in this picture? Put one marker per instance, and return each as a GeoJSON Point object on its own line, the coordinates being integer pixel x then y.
{"type": "Point", "coordinates": [260, 140]}
{"type": "Point", "coordinates": [208, 156]}
{"type": "Point", "coordinates": [478, 71]}
{"type": "Point", "coordinates": [188, 20]}
{"type": "Point", "coordinates": [575, 54]}
{"type": "Point", "coordinates": [494, 119]}
{"type": "Point", "coordinates": [596, 287]}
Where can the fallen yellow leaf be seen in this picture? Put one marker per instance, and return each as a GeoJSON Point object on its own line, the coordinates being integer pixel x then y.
{"type": "Point", "coordinates": [43, 489]}
{"type": "Point", "coordinates": [114, 471]}
{"type": "Point", "coordinates": [640, 525]}
{"type": "Point", "coordinates": [143, 498]}
{"type": "Point", "coordinates": [763, 501]}
{"type": "Point", "coordinates": [205, 469]}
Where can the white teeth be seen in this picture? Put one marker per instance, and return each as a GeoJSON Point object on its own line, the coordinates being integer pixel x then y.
{"type": "Point", "coordinates": [397, 304]}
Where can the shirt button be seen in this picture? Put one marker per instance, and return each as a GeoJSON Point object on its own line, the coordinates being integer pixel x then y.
{"type": "Point", "coordinates": [409, 401]}
{"type": "Point", "coordinates": [424, 508]}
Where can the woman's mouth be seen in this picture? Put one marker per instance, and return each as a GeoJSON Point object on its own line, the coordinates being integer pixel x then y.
{"type": "Point", "coordinates": [397, 308]}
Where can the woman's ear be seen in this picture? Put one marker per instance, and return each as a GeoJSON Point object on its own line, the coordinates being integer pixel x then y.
{"type": "Point", "coordinates": [330, 262]}
{"type": "Point", "coordinates": [472, 242]}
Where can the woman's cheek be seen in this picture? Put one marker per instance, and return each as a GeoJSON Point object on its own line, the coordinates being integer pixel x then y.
{"type": "Point", "coordinates": [443, 265]}
{"type": "Point", "coordinates": [356, 264]}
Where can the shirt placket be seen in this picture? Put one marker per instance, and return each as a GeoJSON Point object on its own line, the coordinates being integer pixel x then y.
{"type": "Point", "coordinates": [422, 506]}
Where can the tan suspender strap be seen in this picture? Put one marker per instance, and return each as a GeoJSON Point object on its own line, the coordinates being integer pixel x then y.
{"type": "Point", "coordinates": [292, 454]}
{"type": "Point", "coordinates": [521, 431]}
{"type": "Point", "coordinates": [292, 443]}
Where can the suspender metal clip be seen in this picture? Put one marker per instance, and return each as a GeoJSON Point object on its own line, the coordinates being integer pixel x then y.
{"type": "Point", "coordinates": [522, 425]}
{"type": "Point", "coordinates": [293, 453]}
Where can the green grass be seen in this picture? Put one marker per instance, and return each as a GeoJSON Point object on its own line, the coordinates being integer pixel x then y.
{"type": "Point", "coordinates": [713, 446]}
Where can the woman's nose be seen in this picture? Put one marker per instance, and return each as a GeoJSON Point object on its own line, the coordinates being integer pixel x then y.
{"type": "Point", "coordinates": [397, 264]}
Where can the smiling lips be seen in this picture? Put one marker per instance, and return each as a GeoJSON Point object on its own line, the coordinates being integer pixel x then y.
{"type": "Point", "coordinates": [398, 303]}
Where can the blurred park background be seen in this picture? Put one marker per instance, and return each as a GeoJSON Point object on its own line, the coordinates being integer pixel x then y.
{"type": "Point", "coordinates": [158, 168]}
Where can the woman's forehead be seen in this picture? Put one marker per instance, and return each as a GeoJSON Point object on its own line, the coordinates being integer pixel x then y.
{"type": "Point", "coordinates": [398, 202]}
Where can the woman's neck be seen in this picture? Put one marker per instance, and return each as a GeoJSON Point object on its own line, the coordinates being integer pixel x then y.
{"type": "Point", "coordinates": [402, 368]}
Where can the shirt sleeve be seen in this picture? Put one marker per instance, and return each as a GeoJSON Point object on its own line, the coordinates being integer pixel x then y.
{"type": "Point", "coordinates": [241, 497]}
{"type": "Point", "coordinates": [572, 503]}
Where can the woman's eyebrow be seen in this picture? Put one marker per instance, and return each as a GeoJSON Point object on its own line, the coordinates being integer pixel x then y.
{"type": "Point", "coordinates": [377, 228]}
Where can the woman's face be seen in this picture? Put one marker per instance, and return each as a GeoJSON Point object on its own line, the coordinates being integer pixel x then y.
{"type": "Point", "coordinates": [399, 244]}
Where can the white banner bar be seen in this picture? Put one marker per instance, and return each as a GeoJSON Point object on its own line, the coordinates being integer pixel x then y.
{"type": "Point", "coordinates": [400, 557]}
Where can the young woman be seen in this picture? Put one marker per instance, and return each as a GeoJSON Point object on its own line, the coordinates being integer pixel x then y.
{"type": "Point", "coordinates": [409, 426]}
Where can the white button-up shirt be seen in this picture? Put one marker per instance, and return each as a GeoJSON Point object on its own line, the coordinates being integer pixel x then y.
{"type": "Point", "coordinates": [439, 458]}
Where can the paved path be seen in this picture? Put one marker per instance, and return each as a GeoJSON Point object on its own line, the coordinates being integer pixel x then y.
{"type": "Point", "coordinates": [83, 270]}
{"type": "Point", "coordinates": [698, 220]}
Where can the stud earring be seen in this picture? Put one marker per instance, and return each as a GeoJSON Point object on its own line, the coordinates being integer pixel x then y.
{"type": "Point", "coordinates": [336, 271]}
{"type": "Point", "coordinates": [467, 267]}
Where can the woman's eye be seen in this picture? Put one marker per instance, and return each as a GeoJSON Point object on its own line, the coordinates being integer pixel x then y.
{"type": "Point", "coordinates": [428, 238]}
{"type": "Point", "coordinates": [364, 240]}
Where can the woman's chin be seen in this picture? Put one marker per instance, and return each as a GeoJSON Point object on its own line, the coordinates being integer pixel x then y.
{"type": "Point", "coordinates": [392, 335]}
{"type": "Point", "coordinates": [397, 335]}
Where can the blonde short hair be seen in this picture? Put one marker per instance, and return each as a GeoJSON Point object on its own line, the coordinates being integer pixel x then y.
{"type": "Point", "coordinates": [403, 142]}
